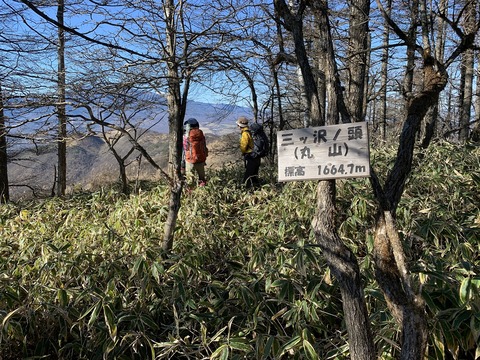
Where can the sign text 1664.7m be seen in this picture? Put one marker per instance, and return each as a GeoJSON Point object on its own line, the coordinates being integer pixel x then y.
{"type": "Point", "coordinates": [326, 152]}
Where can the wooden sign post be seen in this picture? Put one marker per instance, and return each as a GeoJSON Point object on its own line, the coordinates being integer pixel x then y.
{"type": "Point", "coordinates": [325, 152]}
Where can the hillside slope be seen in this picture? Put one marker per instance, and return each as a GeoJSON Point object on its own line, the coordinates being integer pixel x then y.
{"type": "Point", "coordinates": [90, 164]}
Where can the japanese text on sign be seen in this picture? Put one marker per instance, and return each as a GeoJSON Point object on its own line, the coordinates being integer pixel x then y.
{"type": "Point", "coordinates": [327, 152]}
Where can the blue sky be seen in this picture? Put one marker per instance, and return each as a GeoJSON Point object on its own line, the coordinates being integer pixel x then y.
{"type": "Point", "coordinates": [86, 23]}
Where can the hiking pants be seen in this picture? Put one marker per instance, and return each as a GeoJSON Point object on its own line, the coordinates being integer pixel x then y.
{"type": "Point", "coordinates": [199, 168]}
{"type": "Point", "coordinates": [252, 166]}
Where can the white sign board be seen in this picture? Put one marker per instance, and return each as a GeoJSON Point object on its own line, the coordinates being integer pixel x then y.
{"type": "Point", "coordinates": [325, 152]}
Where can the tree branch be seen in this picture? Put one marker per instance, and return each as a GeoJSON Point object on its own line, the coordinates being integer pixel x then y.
{"type": "Point", "coordinates": [79, 34]}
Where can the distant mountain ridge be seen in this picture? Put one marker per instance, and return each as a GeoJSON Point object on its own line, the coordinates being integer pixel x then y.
{"type": "Point", "coordinates": [90, 163]}
{"type": "Point", "coordinates": [217, 119]}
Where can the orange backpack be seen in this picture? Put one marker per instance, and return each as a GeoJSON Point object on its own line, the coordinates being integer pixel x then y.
{"type": "Point", "coordinates": [196, 151]}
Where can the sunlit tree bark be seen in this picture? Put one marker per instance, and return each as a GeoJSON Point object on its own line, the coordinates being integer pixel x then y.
{"type": "Point", "coordinates": [431, 118]}
{"type": "Point", "coordinates": [476, 124]}
{"type": "Point", "coordinates": [4, 189]}
{"type": "Point", "coordinates": [408, 81]}
{"type": "Point", "coordinates": [335, 106]}
{"type": "Point", "coordinates": [466, 70]}
{"type": "Point", "coordinates": [392, 274]}
{"type": "Point", "coordinates": [382, 122]}
{"type": "Point", "coordinates": [61, 111]}
{"type": "Point", "coordinates": [175, 116]}
{"type": "Point", "coordinates": [357, 56]}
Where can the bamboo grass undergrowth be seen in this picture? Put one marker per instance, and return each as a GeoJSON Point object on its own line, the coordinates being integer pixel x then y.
{"type": "Point", "coordinates": [84, 277]}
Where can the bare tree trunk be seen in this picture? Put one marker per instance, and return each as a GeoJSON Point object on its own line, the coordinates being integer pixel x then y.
{"type": "Point", "coordinates": [123, 177]}
{"type": "Point", "coordinates": [384, 76]}
{"type": "Point", "coordinates": [393, 277]}
{"type": "Point", "coordinates": [435, 81]}
{"type": "Point", "coordinates": [336, 107]}
{"type": "Point", "coordinates": [4, 189]}
{"type": "Point", "coordinates": [320, 64]}
{"type": "Point", "coordinates": [343, 264]}
{"type": "Point", "coordinates": [340, 259]}
{"type": "Point", "coordinates": [431, 119]}
{"type": "Point", "coordinates": [120, 159]}
{"type": "Point", "coordinates": [175, 154]}
{"type": "Point", "coordinates": [175, 117]}
{"type": "Point", "coordinates": [294, 23]}
{"type": "Point", "coordinates": [122, 169]}
{"type": "Point", "coordinates": [326, 73]}
{"type": "Point", "coordinates": [410, 66]}
{"type": "Point", "coordinates": [111, 141]}
{"type": "Point", "coordinates": [357, 58]}
{"type": "Point", "coordinates": [253, 91]}
{"type": "Point", "coordinates": [278, 95]}
{"type": "Point", "coordinates": [62, 119]}
{"type": "Point", "coordinates": [476, 126]}
{"type": "Point", "coordinates": [391, 271]}
{"type": "Point", "coordinates": [466, 83]}
{"type": "Point", "coordinates": [441, 32]}
{"type": "Point", "coordinates": [281, 118]}
{"type": "Point", "coordinates": [430, 124]}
